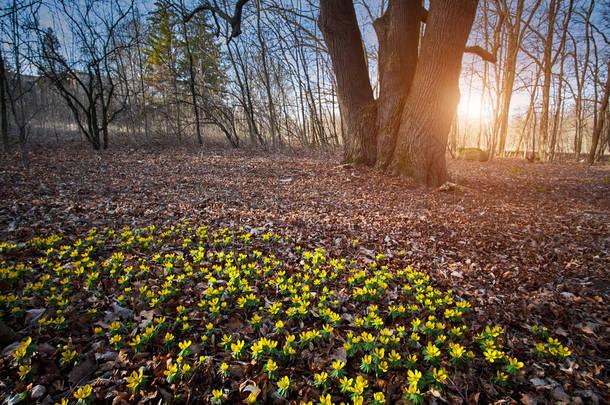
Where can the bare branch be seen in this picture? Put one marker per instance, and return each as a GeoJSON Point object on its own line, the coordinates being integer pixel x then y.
{"type": "Point", "coordinates": [483, 53]}
{"type": "Point", "coordinates": [234, 20]}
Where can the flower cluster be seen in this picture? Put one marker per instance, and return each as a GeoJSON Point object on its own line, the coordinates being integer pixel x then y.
{"type": "Point", "coordinates": [198, 303]}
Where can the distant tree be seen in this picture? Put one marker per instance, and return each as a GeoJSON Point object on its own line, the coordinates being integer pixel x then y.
{"type": "Point", "coordinates": [86, 79]}
{"type": "Point", "coordinates": [3, 105]}
{"type": "Point", "coordinates": [599, 125]}
{"type": "Point", "coordinates": [17, 87]}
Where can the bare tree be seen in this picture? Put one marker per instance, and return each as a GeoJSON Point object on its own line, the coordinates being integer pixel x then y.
{"type": "Point", "coordinates": [85, 78]}
{"type": "Point", "coordinates": [599, 125]}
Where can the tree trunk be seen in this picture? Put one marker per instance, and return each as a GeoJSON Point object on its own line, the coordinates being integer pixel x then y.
{"type": "Point", "coordinates": [273, 127]}
{"type": "Point", "coordinates": [434, 95]}
{"type": "Point", "coordinates": [600, 120]}
{"type": "Point", "coordinates": [191, 80]}
{"type": "Point", "coordinates": [546, 85]}
{"type": "Point", "coordinates": [3, 104]}
{"type": "Point", "coordinates": [339, 26]}
{"type": "Point", "coordinates": [508, 78]}
{"type": "Point", "coordinates": [405, 131]}
{"type": "Point", "coordinates": [398, 34]}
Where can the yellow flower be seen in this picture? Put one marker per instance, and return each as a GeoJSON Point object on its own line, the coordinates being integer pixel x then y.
{"type": "Point", "coordinates": [456, 350]}
{"type": "Point", "coordinates": [67, 355]}
{"type": "Point", "coordinates": [393, 357]}
{"type": "Point", "coordinates": [321, 378]}
{"type": "Point", "coordinates": [413, 376]}
{"type": "Point", "coordinates": [359, 385]}
{"type": "Point", "coordinates": [134, 380]}
{"type": "Point", "coordinates": [135, 341]}
{"type": "Point", "coordinates": [338, 365]}
{"type": "Point", "coordinates": [171, 371]}
{"type": "Point", "coordinates": [379, 397]}
{"type": "Point", "coordinates": [284, 383]}
{"type": "Point", "coordinates": [501, 377]}
{"type": "Point", "coordinates": [252, 397]}
{"type": "Point", "coordinates": [24, 371]}
{"type": "Point", "coordinates": [491, 355]}
{"type": "Point", "coordinates": [440, 375]}
{"type": "Point", "coordinates": [326, 400]}
{"type": "Point", "coordinates": [412, 389]}
{"type": "Point", "coordinates": [271, 366]}
{"type": "Point", "coordinates": [20, 352]}
{"type": "Point", "coordinates": [217, 393]}
{"type": "Point", "coordinates": [236, 348]}
{"type": "Point", "coordinates": [515, 363]}
{"type": "Point", "coordinates": [185, 344]}
{"type": "Point", "coordinates": [83, 392]}
{"type": "Point", "coordinates": [64, 401]}
{"type": "Point", "coordinates": [432, 350]}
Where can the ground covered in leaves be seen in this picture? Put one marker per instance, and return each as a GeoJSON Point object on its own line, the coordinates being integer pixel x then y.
{"type": "Point", "coordinates": [235, 276]}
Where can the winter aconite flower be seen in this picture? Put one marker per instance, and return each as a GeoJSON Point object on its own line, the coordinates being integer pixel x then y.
{"type": "Point", "coordinates": [270, 368]}
{"type": "Point", "coordinates": [24, 371]}
{"type": "Point", "coordinates": [217, 397]}
{"type": "Point", "coordinates": [338, 366]}
{"type": "Point", "coordinates": [83, 394]}
{"type": "Point", "coordinates": [283, 386]}
{"type": "Point", "coordinates": [135, 380]}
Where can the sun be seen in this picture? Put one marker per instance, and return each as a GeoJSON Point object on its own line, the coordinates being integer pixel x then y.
{"type": "Point", "coordinates": [473, 108]}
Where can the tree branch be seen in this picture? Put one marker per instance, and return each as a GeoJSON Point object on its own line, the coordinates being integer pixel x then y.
{"type": "Point", "coordinates": [234, 20]}
{"type": "Point", "coordinates": [483, 53]}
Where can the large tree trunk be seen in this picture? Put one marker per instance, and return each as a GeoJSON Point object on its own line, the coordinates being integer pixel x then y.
{"type": "Point", "coordinates": [398, 34]}
{"type": "Point", "coordinates": [339, 26]}
{"type": "Point", "coordinates": [434, 96]}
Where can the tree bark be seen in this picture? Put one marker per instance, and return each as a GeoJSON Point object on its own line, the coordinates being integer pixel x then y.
{"type": "Point", "coordinates": [434, 95]}
{"type": "Point", "coordinates": [339, 26]}
{"type": "Point", "coordinates": [398, 34]}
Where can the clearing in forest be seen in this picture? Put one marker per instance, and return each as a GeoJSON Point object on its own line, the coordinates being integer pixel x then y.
{"type": "Point", "coordinates": [230, 277]}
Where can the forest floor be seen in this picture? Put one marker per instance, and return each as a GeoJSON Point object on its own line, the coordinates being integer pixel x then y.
{"type": "Point", "coordinates": [526, 244]}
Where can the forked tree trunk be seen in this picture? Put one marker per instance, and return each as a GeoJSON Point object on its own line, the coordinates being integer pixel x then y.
{"type": "Point", "coordinates": [434, 96]}
{"type": "Point", "coordinates": [404, 131]}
